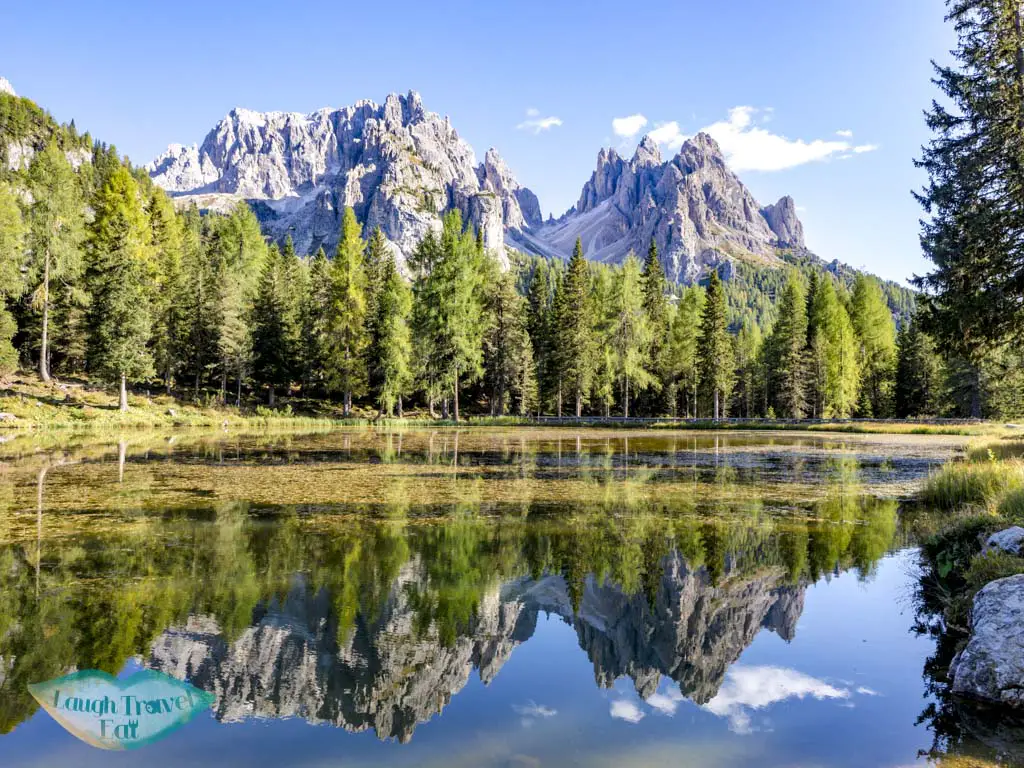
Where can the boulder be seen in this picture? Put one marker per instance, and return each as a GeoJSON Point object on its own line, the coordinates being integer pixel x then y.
{"type": "Point", "coordinates": [991, 666]}
{"type": "Point", "coordinates": [1009, 540]}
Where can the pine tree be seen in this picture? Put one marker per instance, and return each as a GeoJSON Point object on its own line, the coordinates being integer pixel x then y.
{"type": "Point", "coordinates": [507, 349]}
{"type": "Point", "coordinates": [346, 368]}
{"type": "Point", "coordinates": [974, 200]}
{"type": "Point", "coordinates": [119, 250]}
{"type": "Point", "coordinates": [198, 344]}
{"type": "Point", "coordinates": [917, 373]}
{"type": "Point", "coordinates": [57, 227]}
{"type": "Point", "coordinates": [12, 260]}
{"type": "Point", "coordinates": [631, 335]}
{"type": "Point", "coordinates": [167, 294]}
{"type": "Point", "coordinates": [315, 326]}
{"type": "Point", "coordinates": [788, 351]}
{"type": "Point", "coordinates": [391, 342]}
{"type": "Point", "coordinates": [272, 339]}
{"type": "Point", "coordinates": [572, 332]}
{"type": "Point", "coordinates": [657, 311]}
{"type": "Point", "coordinates": [748, 349]}
{"type": "Point", "coordinates": [540, 299]}
{"type": "Point", "coordinates": [714, 349]}
{"type": "Point", "coordinates": [876, 336]}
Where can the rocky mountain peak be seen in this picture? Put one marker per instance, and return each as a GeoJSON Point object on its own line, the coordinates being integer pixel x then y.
{"type": "Point", "coordinates": [647, 153]}
{"type": "Point", "coordinates": [6, 87]}
{"type": "Point", "coordinates": [783, 221]}
{"type": "Point", "coordinates": [397, 165]}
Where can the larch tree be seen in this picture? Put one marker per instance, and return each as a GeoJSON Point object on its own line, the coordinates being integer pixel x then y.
{"type": "Point", "coordinates": [12, 281]}
{"type": "Point", "coordinates": [167, 287]}
{"type": "Point", "coordinates": [788, 355]}
{"type": "Point", "coordinates": [391, 341]}
{"type": "Point", "coordinates": [346, 365]}
{"type": "Point", "coordinates": [682, 349]}
{"type": "Point", "coordinates": [315, 325]}
{"type": "Point", "coordinates": [119, 252]}
{"type": "Point", "coordinates": [56, 232]}
{"type": "Point", "coordinates": [714, 349]}
{"type": "Point", "coordinates": [835, 374]}
{"type": "Point", "coordinates": [876, 336]}
{"type": "Point", "coordinates": [572, 331]}
{"type": "Point", "coordinates": [631, 334]}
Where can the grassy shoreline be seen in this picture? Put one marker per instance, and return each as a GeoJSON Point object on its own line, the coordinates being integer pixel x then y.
{"type": "Point", "coordinates": [29, 404]}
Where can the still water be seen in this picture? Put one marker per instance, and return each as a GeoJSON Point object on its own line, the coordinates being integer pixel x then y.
{"type": "Point", "coordinates": [485, 598]}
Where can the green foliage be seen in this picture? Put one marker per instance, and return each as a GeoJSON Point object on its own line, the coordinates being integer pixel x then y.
{"type": "Point", "coordinates": [572, 331]}
{"type": "Point", "coordinates": [714, 350]}
{"type": "Point", "coordinates": [876, 337]}
{"type": "Point", "coordinates": [391, 342]}
{"type": "Point", "coordinates": [508, 352]}
{"type": "Point", "coordinates": [786, 352]}
{"type": "Point", "coordinates": [346, 366]}
{"type": "Point", "coordinates": [835, 374]}
{"type": "Point", "coordinates": [275, 335]}
{"type": "Point", "coordinates": [630, 330]}
{"type": "Point", "coordinates": [963, 483]}
{"type": "Point", "coordinates": [119, 256]}
{"type": "Point", "coordinates": [917, 386]}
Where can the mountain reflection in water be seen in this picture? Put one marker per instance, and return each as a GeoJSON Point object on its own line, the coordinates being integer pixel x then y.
{"type": "Point", "coordinates": [399, 569]}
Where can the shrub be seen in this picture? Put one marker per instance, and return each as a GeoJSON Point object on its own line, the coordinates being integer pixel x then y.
{"type": "Point", "coordinates": [959, 484]}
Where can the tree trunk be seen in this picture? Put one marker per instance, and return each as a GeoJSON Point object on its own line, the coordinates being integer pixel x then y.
{"type": "Point", "coordinates": [716, 403]}
{"type": "Point", "coordinates": [455, 398]}
{"type": "Point", "coordinates": [238, 392]}
{"type": "Point", "coordinates": [430, 406]}
{"type": "Point", "coordinates": [559, 398]}
{"type": "Point", "coordinates": [123, 401]}
{"type": "Point", "coordinates": [224, 386]}
{"type": "Point", "coordinates": [346, 404]}
{"type": "Point", "coordinates": [399, 406]}
{"type": "Point", "coordinates": [196, 395]}
{"type": "Point", "coordinates": [579, 405]}
{"type": "Point", "coordinates": [44, 351]}
{"type": "Point", "coordinates": [270, 396]}
{"type": "Point", "coordinates": [625, 396]}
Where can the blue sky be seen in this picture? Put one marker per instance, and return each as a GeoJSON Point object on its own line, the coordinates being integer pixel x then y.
{"type": "Point", "coordinates": [142, 76]}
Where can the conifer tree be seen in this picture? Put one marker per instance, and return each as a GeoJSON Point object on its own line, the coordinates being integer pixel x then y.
{"type": "Point", "coordinates": [57, 227]}
{"type": "Point", "coordinates": [346, 366]}
{"type": "Point", "coordinates": [200, 304]}
{"type": "Point", "coordinates": [657, 309]}
{"type": "Point", "coordinates": [606, 375]}
{"type": "Point", "coordinates": [427, 364]}
{"type": "Point", "coordinates": [506, 344]}
{"type": "Point", "coordinates": [167, 287]}
{"type": "Point", "coordinates": [118, 255]}
{"type": "Point", "coordinates": [12, 259]}
{"type": "Point", "coordinates": [683, 345]}
{"type": "Point", "coordinates": [788, 355]}
{"type": "Point", "coordinates": [714, 349]}
{"type": "Point", "coordinates": [315, 327]}
{"type": "Point", "coordinates": [272, 341]}
{"type": "Point", "coordinates": [835, 371]}
{"type": "Point", "coordinates": [917, 373]}
{"type": "Point", "coordinates": [573, 341]}
{"type": "Point", "coordinates": [974, 228]}
{"type": "Point", "coordinates": [876, 335]}
{"type": "Point", "coordinates": [748, 348]}
{"type": "Point", "coordinates": [540, 298]}
{"type": "Point", "coordinates": [631, 335]}
{"type": "Point", "coordinates": [391, 342]}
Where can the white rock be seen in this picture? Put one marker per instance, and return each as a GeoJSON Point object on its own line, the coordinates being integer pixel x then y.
{"type": "Point", "coordinates": [991, 666]}
{"type": "Point", "coordinates": [1009, 540]}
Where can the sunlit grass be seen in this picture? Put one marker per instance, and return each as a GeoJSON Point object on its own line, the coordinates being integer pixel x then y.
{"type": "Point", "coordinates": [959, 483]}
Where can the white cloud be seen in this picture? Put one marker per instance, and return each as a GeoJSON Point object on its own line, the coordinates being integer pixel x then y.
{"type": "Point", "coordinates": [749, 147]}
{"type": "Point", "coordinates": [845, 134]}
{"type": "Point", "coordinates": [534, 123]}
{"type": "Point", "coordinates": [666, 703]}
{"type": "Point", "coordinates": [865, 691]}
{"type": "Point", "coordinates": [623, 709]}
{"type": "Point", "coordinates": [668, 134]}
{"type": "Point", "coordinates": [753, 688]}
{"type": "Point", "coordinates": [533, 709]}
{"type": "Point", "coordinates": [630, 126]}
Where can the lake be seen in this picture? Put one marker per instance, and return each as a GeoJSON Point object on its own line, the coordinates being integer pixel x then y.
{"type": "Point", "coordinates": [486, 597]}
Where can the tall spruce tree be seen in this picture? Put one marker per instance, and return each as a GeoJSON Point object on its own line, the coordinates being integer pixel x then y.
{"type": "Point", "coordinates": [273, 339]}
{"type": "Point", "coordinates": [748, 360]}
{"type": "Point", "coordinates": [315, 326]}
{"type": "Point", "coordinates": [57, 229]}
{"type": "Point", "coordinates": [714, 349]}
{"type": "Point", "coordinates": [682, 349]}
{"type": "Point", "coordinates": [788, 356]}
{"type": "Point", "coordinates": [917, 373]}
{"type": "Point", "coordinates": [346, 366]}
{"type": "Point", "coordinates": [572, 332]}
{"type": "Point", "coordinates": [540, 299]}
{"type": "Point", "coordinates": [167, 286]}
{"type": "Point", "coordinates": [506, 344]}
{"type": "Point", "coordinates": [656, 308]}
{"type": "Point", "coordinates": [119, 248]}
{"type": "Point", "coordinates": [974, 230]}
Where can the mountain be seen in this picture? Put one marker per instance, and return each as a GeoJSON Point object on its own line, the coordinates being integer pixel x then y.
{"type": "Point", "coordinates": [399, 166]}
{"type": "Point", "coordinates": [390, 674]}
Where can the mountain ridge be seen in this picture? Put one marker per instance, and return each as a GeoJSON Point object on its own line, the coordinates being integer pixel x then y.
{"type": "Point", "coordinates": [399, 166]}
